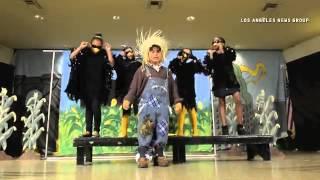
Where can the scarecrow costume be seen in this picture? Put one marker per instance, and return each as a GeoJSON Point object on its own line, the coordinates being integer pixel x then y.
{"type": "Point", "coordinates": [154, 90]}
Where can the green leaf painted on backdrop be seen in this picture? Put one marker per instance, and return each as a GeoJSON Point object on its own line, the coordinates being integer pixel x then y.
{"type": "Point", "coordinates": [71, 125]}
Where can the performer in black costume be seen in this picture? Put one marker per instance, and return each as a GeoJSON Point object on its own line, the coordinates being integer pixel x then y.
{"type": "Point", "coordinates": [219, 64]}
{"type": "Point", "coordinates": [90, 79]}
{"type": "Point", "coordinates": [185, 66]}
{"type": "Point", "coordinates": [126, 64]}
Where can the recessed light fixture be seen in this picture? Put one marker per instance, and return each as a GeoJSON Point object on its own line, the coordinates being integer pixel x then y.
{"type": "Point", "coordinates": [39, 17]}
{"type": "Point", "coordinates": [190, 18]}
{"type": "Point", "coordinates": [116, 18]}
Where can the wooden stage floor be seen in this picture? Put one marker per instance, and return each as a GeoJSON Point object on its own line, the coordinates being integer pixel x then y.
{"type": "Point", "coordinates": [287, 166]}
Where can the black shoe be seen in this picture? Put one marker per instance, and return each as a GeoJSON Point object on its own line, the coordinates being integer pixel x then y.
{"type": "Point", "coordinates": [225, 130]}
{"type": "Point", "coordinates": [241, 130]}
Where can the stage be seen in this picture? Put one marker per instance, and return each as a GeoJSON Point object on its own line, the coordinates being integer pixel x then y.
{"type": "Point", "coordinates": [293, 165]}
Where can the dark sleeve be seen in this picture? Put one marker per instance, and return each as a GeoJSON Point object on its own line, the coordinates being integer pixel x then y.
{"type": "Point", "coordinates": [81, 55]}
{"type": "Point", "coordinates": [135, 84]}
{"type": "Point", "coordinates": [107, 78]}
{"type": "Point", "coordinates": [173, 66]}
{"type": "Point", "coordinates": [137, 64]}
{"type": "Point", "coordinates": [231, 54]}
{"type": "Point", "coordinates": [173, 90]}
{"type": "Point", "coordinates": [197, 66]}
{"type": "Point", "coordinates": [208, 65]}
{"type": "Point", "coordinates": [119, 68]}
{"type": "Point", "coordinates": [118, 64]}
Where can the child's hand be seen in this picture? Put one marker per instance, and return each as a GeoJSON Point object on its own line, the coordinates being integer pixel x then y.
{"type": "Point", "coordinates": [178, 108]}
{"type": "Point", "coordinates": [83, 45]}
{"type": "Point", "coordinates": [107, 46]}
{"type": "Point", "coordinates": [126, 104]}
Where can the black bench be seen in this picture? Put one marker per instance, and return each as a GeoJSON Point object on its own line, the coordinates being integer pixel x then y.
{"type": "Point", "coordinates": [256, 145]}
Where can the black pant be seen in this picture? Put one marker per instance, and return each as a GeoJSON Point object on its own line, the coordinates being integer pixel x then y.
{"type": "Point", "coordinates": [93, 109]}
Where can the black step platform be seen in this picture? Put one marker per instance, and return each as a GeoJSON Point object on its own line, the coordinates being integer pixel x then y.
{"type": "Point", "coordinates": [256, 145]}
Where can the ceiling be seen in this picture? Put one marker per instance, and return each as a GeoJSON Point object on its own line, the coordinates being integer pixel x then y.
{"type": "Point", "coordinates": [67, 22]}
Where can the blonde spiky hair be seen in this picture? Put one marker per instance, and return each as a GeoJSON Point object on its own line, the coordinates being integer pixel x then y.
{"type": "Point", "coordinates": [146, 40]}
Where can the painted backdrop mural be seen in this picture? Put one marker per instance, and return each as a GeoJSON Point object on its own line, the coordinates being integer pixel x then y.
{"type": "Point", "coordinates": [257, 72]}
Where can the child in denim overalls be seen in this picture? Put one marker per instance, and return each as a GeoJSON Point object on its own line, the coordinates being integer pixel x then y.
{"type": "Point", "coordinates": [155, 90]}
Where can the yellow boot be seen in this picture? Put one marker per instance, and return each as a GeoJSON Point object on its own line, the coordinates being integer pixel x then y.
{"type": "Point", "coordinates": [194, 122]}
{"type": "Point", "coordinates": [181, 121]}
{"type": "Point", "coordinates": [124, 126]}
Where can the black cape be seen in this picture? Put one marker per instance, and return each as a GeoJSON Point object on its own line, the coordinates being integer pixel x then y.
{"type": "Point", "coordinates": [125, 70]}
{"type": "Point", "coordinates": [185, 72]}
{"type": "Point", "coordinates": [221, 70]}
{"type": "Point", "coordinates": [90, 77]}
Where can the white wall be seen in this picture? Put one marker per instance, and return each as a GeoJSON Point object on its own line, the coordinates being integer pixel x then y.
{"type": "Point", "coordinates": [303, 49]}
{"type": "Point", "coordinates": [6, 54]}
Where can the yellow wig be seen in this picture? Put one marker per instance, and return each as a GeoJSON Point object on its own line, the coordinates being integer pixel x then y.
{"type": "Point", "coordinates": [146, 40]}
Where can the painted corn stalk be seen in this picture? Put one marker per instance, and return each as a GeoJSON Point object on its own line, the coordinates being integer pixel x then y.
{"type": "Point", "coordinates": [32, 122]}
{"type": "Point", "coordinates": [5, 116]}
{"type": "Point", "coordinates": [266, 115]}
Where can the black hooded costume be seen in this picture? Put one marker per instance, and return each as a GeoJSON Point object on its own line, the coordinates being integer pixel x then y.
{"type": "Point", "coordinates": [90, 81]}
{"type": "Point", "coordinates": [185, 71]}
{"type": "Point", "coordinates": [125, 69]}
{"type": "Point", "coordinates": [90, 77]}
{"type": "Point", "coordinates": [220, 67]}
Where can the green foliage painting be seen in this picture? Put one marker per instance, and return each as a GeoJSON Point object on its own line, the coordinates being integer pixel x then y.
{"type": "Point", "coordinates": [72, 125]}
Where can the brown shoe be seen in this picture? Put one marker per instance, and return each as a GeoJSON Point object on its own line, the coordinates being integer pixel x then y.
{"type": "Point", "coordinates": [163, 161]}
{"type": "Point", "coordinates": [143, 162]}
